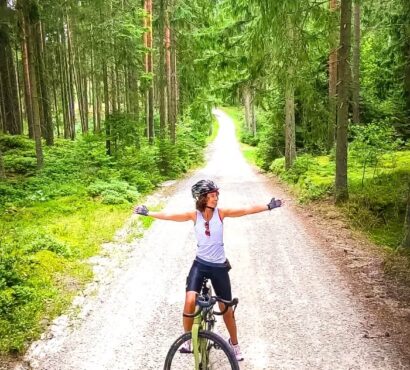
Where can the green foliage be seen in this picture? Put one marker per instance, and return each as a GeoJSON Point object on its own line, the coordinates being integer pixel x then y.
{"type": "Point", "coordinates": [376, 204]}
{"type": "Point", "coordinates": [372, 141]}
{"type": "Point", "coordinates": [21, 164]}
{"type": "Point", "coordinates": [44, 242]}
{"type": "Point", "coordinates": [311, 176]}
{"type": "Point", "coordinates": [51, 220]}
{"type": "Point", "coordinates": [124, 131]}
{"type": "Point", "coordinates": [113, 192]}
{"type": "Point", "coordinates": [10, 142]}
{"type": "Point", "coordinates": [271, 138]}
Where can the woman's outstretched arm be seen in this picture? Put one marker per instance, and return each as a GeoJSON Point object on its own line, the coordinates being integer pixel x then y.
{"type": "Point", "coordinates": [238, 212]}
{"type": "Point", "coordinates": [180, 217]}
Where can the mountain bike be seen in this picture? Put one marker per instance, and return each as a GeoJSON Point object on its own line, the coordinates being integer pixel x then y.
{"type": "Point", "coordinates": [210, 351]}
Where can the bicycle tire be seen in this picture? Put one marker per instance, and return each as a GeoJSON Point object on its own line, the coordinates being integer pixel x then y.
{"type": "Point", "coordinates": [224, 357]}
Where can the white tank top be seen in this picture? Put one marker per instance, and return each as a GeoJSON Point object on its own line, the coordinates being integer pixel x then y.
{"type": "Point", "coordinates": [210, 248]}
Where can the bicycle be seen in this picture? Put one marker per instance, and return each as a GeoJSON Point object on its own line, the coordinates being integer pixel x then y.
{"type": "Point", "coordinates": [210, 351]}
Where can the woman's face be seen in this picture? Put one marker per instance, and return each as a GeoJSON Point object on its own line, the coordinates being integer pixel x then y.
{"type": "Point", "coordinates": [212, 199]}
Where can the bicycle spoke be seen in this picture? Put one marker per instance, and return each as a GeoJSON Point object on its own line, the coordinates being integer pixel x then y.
{"type": "Point", "coordinates": [216, 358]}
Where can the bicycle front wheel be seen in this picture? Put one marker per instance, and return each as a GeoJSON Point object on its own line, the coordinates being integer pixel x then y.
{"type": "Point", "coordinates": [219, 355]}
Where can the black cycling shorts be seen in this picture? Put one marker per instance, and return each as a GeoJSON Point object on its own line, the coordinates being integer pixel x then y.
{"type": "Point", "coordinates": [218, 275]}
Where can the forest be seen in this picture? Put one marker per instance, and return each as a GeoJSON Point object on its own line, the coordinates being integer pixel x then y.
{"type": "Point", "coordinates": [103, 100]}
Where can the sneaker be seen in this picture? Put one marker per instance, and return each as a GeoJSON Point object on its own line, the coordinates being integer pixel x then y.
{"type": "Point", "coordinates": [236, 350]}
{"type": "Point", "coordinates": [186, 347]}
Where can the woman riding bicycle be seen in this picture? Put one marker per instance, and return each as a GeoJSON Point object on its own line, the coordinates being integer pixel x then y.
{"type": "Point", "coordinates": [210, 261]}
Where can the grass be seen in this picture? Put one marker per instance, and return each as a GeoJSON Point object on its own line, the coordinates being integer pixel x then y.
{"type": "Point", "coordinates": [56, 237]}
{"type": "Point", "coordinates": [52, 221]}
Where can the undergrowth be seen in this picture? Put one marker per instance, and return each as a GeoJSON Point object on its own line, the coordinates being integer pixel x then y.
{"type": "Point", "coordinates": [53, 220]}
{"type": "Point", "coordinates": [378, 174]}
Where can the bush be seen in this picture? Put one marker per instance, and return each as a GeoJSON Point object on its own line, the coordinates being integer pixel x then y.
{"type": "Point", "coordinates": [10, 142]}
{"type": "Point", "coordinates": [371, 142]}
{"type": "Point", "coordinates": [247, 137]}
{"type": "Point", "coordinates": [114, 192]}
{"type": "Point", "coordinates": [20, 163]}
{"type": "Point", "coordinates": [41, 242]}
{"type": "Point", "coordinates": [271, 139]}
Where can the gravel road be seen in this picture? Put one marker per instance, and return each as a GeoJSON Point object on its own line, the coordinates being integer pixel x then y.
{"type": "Point", "coordinates": [295, 312]}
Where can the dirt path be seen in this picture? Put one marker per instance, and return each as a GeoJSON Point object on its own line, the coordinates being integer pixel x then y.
{"type": "Point", "coordinates": [297, 309]}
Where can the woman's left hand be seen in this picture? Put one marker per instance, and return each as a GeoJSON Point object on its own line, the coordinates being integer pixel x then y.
{"type": "Point", "coordinates": [274, 203]}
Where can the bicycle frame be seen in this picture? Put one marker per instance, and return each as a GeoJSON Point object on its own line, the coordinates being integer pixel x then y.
{"type": "Point", "coordinates": [204, 315]}
{"type": "Point", "coordinates": [196, 327]}
{"type": "Point", "coordinates": [199, 346]}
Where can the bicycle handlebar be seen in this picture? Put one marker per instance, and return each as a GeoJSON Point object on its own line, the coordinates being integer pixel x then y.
{"type": "Point", "coordinates": [211, 302]}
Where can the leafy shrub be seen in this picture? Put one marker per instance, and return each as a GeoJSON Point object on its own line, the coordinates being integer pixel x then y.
{"type": "Point", "coordinates": [247, 137]}
{"type": "Point", "coordinates": [114, 192]}
{"type": "Point", "coordinates": [20, 164]}
{"type": "Point", "coordinates": [371, 142]}
{"type": "Point", "coordinates": [10, 142]}
{"type": "Point", "coordinates": [47, 242]}
{"type": "Point", "coordinates": [9, 192]}
{"type": "Point", "coordinates": [123, 131]}
{"type": "Point", "coordinates": [271, 139]}
{"type": "Point", "coordinates": [15, 266]}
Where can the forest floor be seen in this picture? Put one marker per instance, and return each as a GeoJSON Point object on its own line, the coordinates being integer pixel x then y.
{"type": "Point", "coordinates": [314, 294]}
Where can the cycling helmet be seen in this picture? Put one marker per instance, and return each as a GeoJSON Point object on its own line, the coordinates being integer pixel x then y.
{"type": "Point", "coordinates": [203, 187]}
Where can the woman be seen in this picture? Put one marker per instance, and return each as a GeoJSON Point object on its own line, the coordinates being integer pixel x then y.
{"type": "Point", "coordinates": [210, 261]}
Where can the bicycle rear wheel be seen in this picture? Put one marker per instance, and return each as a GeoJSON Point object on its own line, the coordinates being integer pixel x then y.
{"type": "Point", "coordinates": [219, 354]}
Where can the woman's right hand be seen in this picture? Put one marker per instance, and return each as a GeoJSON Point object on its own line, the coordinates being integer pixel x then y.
{"type": "Point", "coordinates": [141, 210]}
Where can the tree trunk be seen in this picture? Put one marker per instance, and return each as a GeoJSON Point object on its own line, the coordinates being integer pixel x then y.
{"type": "Point", "coordinates": [290, 130]}
{"type": "Point", "coordinates": [19, 84]}
{"type": "Point", "coordinates": [47, 124]}
{"type": "Point", "coordinates": [148, 69]}
{"type": "Point", "coordinates": [117, 86]}
{"type": "Point", "coordinates": [2, 111]}
{"type": "Point", "coordinates": [134, 92]}
{"type": "Point", "coordinates": [2, 169]}
{"type": "Point", "coordinates": [63, 70]}
{"type": "Point", "coordinates": [55, 100]}
{"type": "Point", "coordinates": [406, 52]}
{"type": "Point", "coordinates": [29, 21]}
{"type": "Point", "coordinates": [12, 118]}
{"type": "Point", "coordinates": [107, 110]}
{"type": "Point", "coordinates": [93, 88]}
{"type": "Point", "coordinates": [248, 102]}
{"type": "Point", "coordinates": [71, 82]}
{"type": "Point", "coordinates": [406, 240]}
{"type": "Point", "coordinates": [356, 64]}
{"type": "Point", "coordinates": [173, 95]}
{"type": "Point", "coordinates": [290, 127]}
{"type": "Point", "coordinates": [26, 76]}
{"type": "Point", "coordinates": [161, 69]}
{"type": "Point", "coordinates": [332, 77]}
{"type": "Point", "coordinates": [171, 126]}
{"type": "Point", "coordinates": [341, 188]}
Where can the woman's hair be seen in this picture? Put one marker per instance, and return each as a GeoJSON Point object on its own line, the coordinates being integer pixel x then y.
{"type": "Point", "coordinates": [201, 202]}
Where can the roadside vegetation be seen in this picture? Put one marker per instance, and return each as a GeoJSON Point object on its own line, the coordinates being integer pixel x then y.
{"type": "Point", "coordinates": [53, 220]}
{"type": "Point", "coordinates": [379, 168]}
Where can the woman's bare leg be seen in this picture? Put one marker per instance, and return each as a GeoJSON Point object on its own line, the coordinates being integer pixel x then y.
{"type": "Point", "coordinates": [189, 307]}
{"type": "Point", "coordinates": [230, 323]}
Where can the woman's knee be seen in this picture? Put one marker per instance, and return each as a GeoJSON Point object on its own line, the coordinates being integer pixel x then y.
{"type": "Point", "coordinates": [190, 298]}
{"type": "Point", "coordinates": [229, 313]}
